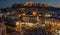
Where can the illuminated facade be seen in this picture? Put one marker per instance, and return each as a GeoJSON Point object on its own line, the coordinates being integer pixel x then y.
{"type": "Point", "coordinates": [33, 16]}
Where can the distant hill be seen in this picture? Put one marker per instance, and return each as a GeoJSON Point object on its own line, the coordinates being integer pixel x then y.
{"type": "Point", "coordinates": [38, 5]}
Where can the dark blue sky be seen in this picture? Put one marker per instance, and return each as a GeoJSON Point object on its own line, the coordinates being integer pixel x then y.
{"type": "Point", "coordinates": [5, 3]}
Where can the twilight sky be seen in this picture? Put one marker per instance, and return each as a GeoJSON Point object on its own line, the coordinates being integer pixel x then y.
{"type": "Point", "coordinates": [8, 3]}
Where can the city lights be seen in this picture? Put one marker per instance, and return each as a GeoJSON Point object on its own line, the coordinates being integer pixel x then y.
{"type": "Point", "coordinates": [30, 18]}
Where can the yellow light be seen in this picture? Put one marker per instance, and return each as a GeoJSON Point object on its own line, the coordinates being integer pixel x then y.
{"type": "Point", "coordinates": [17, 23]}
{"type": "Point", "coordinates": [23, 14]}
{"type": "Point", "coordinates": [34, 13]}
{"type": "Point", "coordinates": [26, 3]}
